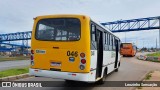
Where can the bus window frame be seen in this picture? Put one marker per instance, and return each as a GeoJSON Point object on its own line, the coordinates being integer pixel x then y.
{"type": "Point", "coordinates": [93, 43]}
{"type": "Point", "coordinates": [67, 34]}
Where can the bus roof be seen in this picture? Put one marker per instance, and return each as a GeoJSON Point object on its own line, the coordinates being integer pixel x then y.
{"type": "Point", "coordinates": [62, 15]}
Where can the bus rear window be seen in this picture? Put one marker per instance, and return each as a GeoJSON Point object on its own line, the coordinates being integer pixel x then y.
{"type": "Point", "coordinates": [126, 46]}
{"type": "Point", "coordinates": [58, 29]}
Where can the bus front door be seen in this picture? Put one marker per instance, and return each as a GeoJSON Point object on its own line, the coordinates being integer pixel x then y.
{"type": "Point", "coordinates": [116, 50]}
{"type": "Point", "coordinates": [99, 38]}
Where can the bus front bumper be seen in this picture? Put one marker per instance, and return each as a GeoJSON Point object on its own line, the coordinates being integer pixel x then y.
{"type": "Point", "coordinates": [61, 75]}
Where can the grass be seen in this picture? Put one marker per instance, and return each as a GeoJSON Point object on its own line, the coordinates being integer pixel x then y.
{"type": "Point", "coordinates": [14, 58]}
{"type": "Point", "coordinates": [157, 54]}
{"type": "Point", "coordinates": [155, 61]}
{"type": "Point", "coordinates": [148, 76]}
{"type": "Point", "coordinates": [12, 72]}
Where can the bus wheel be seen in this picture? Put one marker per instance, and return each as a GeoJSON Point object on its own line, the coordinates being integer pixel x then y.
{"type": "Point", "coordinates": [116, 70]}
{"type": "Point", "coordinates": [102, 81]}
{"type": "Point", "coordinates": [68, 81]}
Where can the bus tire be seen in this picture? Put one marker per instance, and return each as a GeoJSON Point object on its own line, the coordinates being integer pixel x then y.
{"type": "Point", "coordinates": [68, 81]}
{"type": "Point", "coordinates": [102, 81]}
{"type": "Point", "coordinates": [116, 70]}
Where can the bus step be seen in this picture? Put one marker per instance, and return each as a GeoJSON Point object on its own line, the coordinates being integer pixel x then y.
{"type": "Point", "coordinates": [98, 78]}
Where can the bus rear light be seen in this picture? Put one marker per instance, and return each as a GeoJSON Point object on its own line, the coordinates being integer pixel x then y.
{"type": "Point", "coordinates": [82, 67]}
{"type": "Point", "coordinates": [36, 70]}
{"type": "Point", "coordinates": [82, 55]}
{"type": "Point", "coordinates": [32, 57]}
{"type": "Point", "coordinates": [73, 74]}
{"type": "Point", "coordinates": [32, 63]}
{"type": "Point", "coordinates": [83, 61]}
{"type": "Point", "coordinates": [32, 51]}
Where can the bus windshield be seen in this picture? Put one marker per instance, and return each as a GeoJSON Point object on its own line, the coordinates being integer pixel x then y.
{"type": "Point", "coordinates": [58, 29]}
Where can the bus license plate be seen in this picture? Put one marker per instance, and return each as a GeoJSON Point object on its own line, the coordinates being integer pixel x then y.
{"type": "Point", "coordinates": [57, 64]}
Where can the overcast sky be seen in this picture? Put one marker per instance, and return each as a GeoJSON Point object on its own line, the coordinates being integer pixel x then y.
{"type": "Point", "coordinates": [17, 15]}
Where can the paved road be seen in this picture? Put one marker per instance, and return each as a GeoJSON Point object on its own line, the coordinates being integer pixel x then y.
{"type": "Point", "coordinates": [131, 70]}
{"type": "Point", "coordinates": [13, 64]}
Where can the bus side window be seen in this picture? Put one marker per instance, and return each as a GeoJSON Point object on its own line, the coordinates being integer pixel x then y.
{"type": "Point", "coordinates": [106, 38]}
{"type": "Point", "coordinates": [93, 32]}
{"type": "Point", "coordinates": [110, 46]}
{"type": "Point", "coordinates": [113, 40]}
{"type": "Point", "coordinates": [93, 37]}
{"type": "Point", "coordinates": [107, 42]}
{"type": "Point", "coordinates": [104, 41]}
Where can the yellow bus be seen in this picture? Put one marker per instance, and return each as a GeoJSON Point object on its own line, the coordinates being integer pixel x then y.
{"type": "Point", "coordinates": [73, 48]}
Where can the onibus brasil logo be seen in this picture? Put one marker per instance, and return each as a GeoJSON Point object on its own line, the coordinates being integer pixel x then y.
{"type": "Point", "coordinates": [20, 84]}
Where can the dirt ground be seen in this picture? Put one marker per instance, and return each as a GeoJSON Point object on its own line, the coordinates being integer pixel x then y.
{"type": "Point", "coordinates": [155, 76]}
